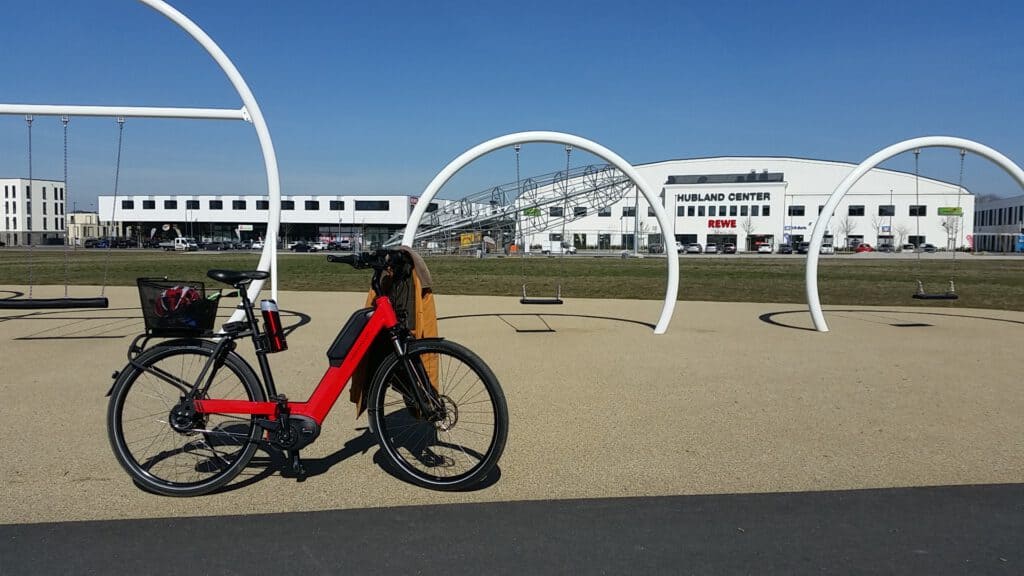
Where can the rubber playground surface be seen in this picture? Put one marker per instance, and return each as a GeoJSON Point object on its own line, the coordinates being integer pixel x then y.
{"type": "Point", "coordinates": [740, 409]}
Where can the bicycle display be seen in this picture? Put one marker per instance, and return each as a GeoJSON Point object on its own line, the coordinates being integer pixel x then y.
{"type": "Point", "coordinates": [187, 415]}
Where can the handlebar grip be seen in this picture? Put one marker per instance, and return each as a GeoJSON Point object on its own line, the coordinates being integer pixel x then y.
{"type": "Point", "coordinates": [351, 259]}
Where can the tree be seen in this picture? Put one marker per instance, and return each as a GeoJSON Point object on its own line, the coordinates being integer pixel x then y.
{"type": "Point", "coordinates": [846, 227]}
{"type": "Point", "coordinates": [876, 225]}
{"type": "Point", "coordinates": [902, 230]}
{"type": "Point", "coordinates": [952, 226]}
{"type": "Point", "coordinates": [748, 226]}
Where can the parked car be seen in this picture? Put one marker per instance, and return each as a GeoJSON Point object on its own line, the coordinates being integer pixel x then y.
{"type": "Point", "coordinates": [655, 248]}
{"type": "Point", "coordinates": [785, 248]}
{"type": "Point", "coordinates": [318, 247]}
{"type": "Point", "coordinates": [216, 246]}
{"type": "Point", "coordinates": [827, 249]}
{"type": "Point", "coordinates": [711, 248]}
{"type": "Point", "coordinates": [680, 248]}
{"type": "Point", "coordinates": [764, 248]}
{"type": "Point", "coordinates": [929, 248]}
{"type": "Point", "coordinates": [694, 248]}
{"type": "Point", "coordinates": [887, 248]}
{"type": "Point", "coordinates": [863, 247]}
{"type": "Point", "coordinates": [729, 249]}
{"type": "Point", "coordinates": [257, 245]}
{"type": "Point", "coordinates": [803, 248]}
{"type": "Point", "coordinates": [300, 247]}
{"type": "Point", "coordinates": [908, 248]}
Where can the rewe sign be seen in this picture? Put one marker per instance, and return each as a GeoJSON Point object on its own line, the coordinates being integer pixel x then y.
{"type": "Point", "coordinates": [721, 223]}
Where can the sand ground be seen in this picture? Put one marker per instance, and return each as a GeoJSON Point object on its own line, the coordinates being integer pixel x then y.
{"type": "Point", "coordinates": [735, 398]}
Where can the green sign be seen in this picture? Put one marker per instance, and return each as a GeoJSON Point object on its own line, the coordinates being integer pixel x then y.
{"type": "Point", "coordinates": [950, 211]}
{"type": "Point", "coordinates": [531, 212]}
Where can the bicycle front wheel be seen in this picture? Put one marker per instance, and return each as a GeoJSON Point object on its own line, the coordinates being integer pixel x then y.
{"type": "Point", "coordinates": [170, 453]}
{"type": "Point", "coordinates": [461, 448]}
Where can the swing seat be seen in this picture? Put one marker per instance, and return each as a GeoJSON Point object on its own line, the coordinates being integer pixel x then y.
{"type": "Point", "coordinates": [939, 296]}
{"type": "Point", "coordinates": [52, 303]}
{"type": "Point", "coordinates": [543, 301]}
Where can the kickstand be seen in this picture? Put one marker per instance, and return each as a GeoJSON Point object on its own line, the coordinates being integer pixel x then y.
{"type": "Point", "coordinates": [297, 469]}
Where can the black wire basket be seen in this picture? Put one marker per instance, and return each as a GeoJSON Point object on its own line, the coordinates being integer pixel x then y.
{"type": "Point", "coordinates": [176, 308]}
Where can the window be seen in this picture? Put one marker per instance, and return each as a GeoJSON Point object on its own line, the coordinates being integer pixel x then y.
{"type": "Point", "coordinates": [691, 210]}
{"type": "Point", "coordinates": [287, 204]}
{"type": "Point", "coordinates": [650, 211]}
{"type": "Point", "coordinates": [732, 210]}
{"type": "Point", "coordinates": [192, 204]}
{"type": "Point", "coordinates": [340, 205]}
{"type": "Point", "coordinates": [555, 237]}
{"type": "Point", "coordinates": [579, 211]}
{"type": "Point", "coordinates": [605, 212]}
{"type": "Point", "coordinates": [312, 205]}
{"type": "Point", "coordinates": [700, 211]}
{"type": "Point", "coordinates": [238, 204]}
{"type": "Point", "coordinates": [149, 204]}
{"type": "Point", "coordinates": [721, 210]}
{"type": "Point", "coordinates": [127, 204]}
{"type": "Point", "coordinates": [432, 207]}
{"type": "Point", "coordinates": [62, 193]}
{"type": "Point", "coordinates": [680, 210]}
{"type": "Point", "coordinates": [216, 204]}
{"type": "Point", "coordinates": [44, 210]}
{"type": "Point", "coordinates": [263, 204]}
{"type": "Point", "coordinates": [28, 191]}
{"type": "Point", "coordinates": [555, 211]}
{"type": "Point", "coordinates": [44, 198]}
{"type": "Point", "coordinates": [711, 211]}
{"type": "Point", "coordinates": [743, 210]}
{"type": "Point", "coordinates": [855, 211]}
{"type": "Point", "coordinates": [628, 211]}
{"type": "Point", "coordinates": [887, 210]}
{"type": "Point", "coordinates": [368, 205]}
{"type": "Point", "coordinates": [44, 221]}
{"type": "Point", "coordinates": [795, 210]}
{"type": "Point", "coordinates": [170, 204]}
{"type": "Point", "coordinates": [766, 210]}
{"type": "Point", "coordinates": [754, 210]}
{"type": "Point", "coordinates": [918, 210]}
{"type": "Point", "coordinates": [916, 240]}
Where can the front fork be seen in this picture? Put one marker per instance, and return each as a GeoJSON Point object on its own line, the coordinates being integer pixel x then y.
{"type": "Point", "coordinates": [427, 400]}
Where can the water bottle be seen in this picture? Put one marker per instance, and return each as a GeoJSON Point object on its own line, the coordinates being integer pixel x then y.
{"type": "Point", "coordinates": [272, 329]}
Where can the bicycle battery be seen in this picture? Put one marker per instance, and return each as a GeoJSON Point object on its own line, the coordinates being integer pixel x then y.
{"type": "Point", "coordinates": [347, 337]}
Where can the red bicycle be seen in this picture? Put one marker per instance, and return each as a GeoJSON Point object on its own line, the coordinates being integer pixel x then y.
{"type": "Point", "coordinates": [187, 415]}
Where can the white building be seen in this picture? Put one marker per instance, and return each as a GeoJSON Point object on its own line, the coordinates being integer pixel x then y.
{"type": "Point", "coordinates": [85, 225]}
{"type": "Point", "coordinates": [32, 213]}
{"type": "Point", "coordinates": [751, 200]}
{"type": "Point", "coordinates": [745, 201]}
{"type": "Point", "coordinates": [236, 217]}
{"type": "Point", "coordinates": [999, 225]}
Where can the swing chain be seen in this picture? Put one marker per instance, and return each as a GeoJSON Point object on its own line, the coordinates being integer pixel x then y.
{"type": "Point", "coordinates": [31, 245]}
{"type": "Point", "coordinates": [113, 210]}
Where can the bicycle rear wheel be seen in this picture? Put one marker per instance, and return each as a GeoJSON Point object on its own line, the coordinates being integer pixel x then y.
{"type": "Point", "coordinates": [194, 455]}
{"type": "Point", "coordinates": [457, 451]}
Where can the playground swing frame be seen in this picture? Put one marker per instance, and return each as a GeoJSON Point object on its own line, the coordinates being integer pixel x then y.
{"type": "Point", "coordinates": [249, 112]}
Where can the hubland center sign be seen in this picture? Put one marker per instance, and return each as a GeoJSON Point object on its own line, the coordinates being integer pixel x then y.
{"type": "Point", "coordinates": [723, 197]}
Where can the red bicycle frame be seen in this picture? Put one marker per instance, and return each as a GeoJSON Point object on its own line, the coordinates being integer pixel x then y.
{"type": "Point", "coordinates": [332, 383]}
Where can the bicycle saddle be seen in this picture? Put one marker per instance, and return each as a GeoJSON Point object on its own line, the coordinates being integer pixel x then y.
{"type": "Point", "coordinates": [237, 278]}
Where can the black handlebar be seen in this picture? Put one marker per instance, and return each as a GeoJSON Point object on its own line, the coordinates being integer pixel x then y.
{"type": "Point", "coordinates": [353, 259]}
{"type": "Point", "coordinates": [378, 259]}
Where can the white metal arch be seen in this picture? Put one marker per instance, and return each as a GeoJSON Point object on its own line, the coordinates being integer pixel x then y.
{"type": "Point", "coordinates": [249, 112]}
{"type": "Point", "coordinates": [672, 289]}
{"type": "Point", "coordinates": [818, 234]}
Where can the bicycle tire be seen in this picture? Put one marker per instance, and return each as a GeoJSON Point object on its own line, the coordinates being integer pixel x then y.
{"type": "Point", "coordinates": [428, 454]}
{"type": "Point", "coordinates": [138, 421]}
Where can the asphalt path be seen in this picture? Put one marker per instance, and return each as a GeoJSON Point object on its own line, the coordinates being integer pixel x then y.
{"type": "Point", "coordinates": [937, 530]}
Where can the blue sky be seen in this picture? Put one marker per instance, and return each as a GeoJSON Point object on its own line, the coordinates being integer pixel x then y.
{"type": "Point", "coordinates": [377, 97]}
